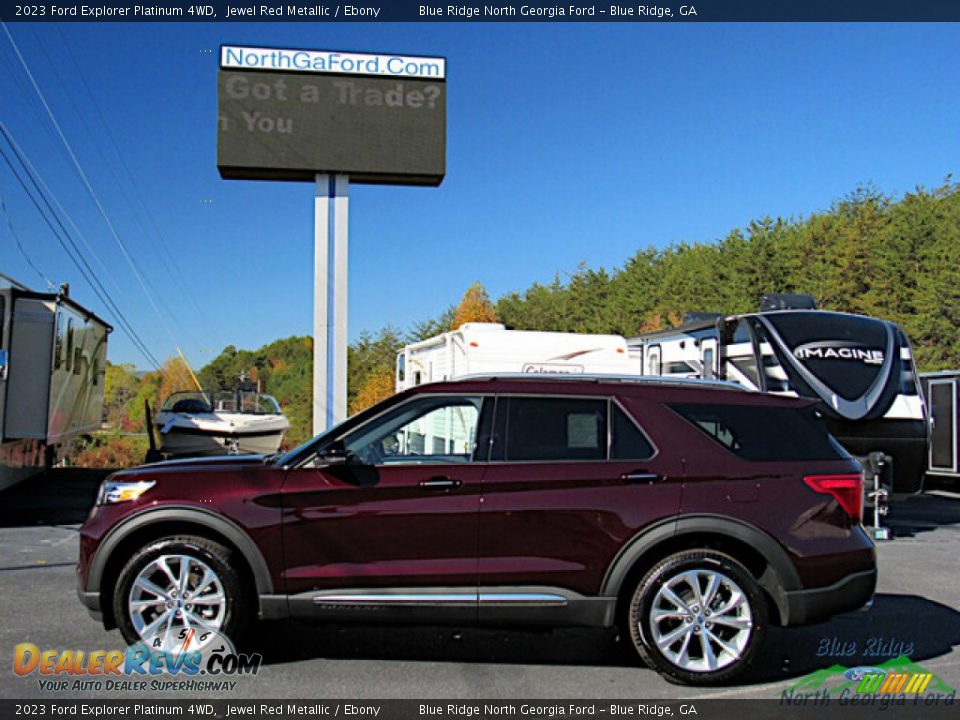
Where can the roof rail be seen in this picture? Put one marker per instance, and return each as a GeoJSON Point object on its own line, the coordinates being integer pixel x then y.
{"type": "Point", "coordinates": [596, 377]}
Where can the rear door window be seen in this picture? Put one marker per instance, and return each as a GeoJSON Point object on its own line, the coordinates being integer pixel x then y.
{"type": "Point", "coordinates": [551, 429]}
{"type": "Point", "coordinates": [762, 433]}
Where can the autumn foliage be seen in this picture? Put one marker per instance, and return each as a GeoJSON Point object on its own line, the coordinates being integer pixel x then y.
{"type": "Point", "coordinates": [474, 307]}
{"type": "Point", "coordinates": [376, 387]}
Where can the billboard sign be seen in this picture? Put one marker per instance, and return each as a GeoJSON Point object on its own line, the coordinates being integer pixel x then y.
{"type": "Point", "coordinates": [290, 114]}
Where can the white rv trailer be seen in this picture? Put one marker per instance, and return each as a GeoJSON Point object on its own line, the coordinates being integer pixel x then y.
{"type": "Point", "coordinates": [491, 348]}
{"type": "Point", "coordinates": [859, 368]}
{"type": "Point", "coordinates": [940, 389]}
{"type": "Point", "coordinates": [476, 348]}
{"type": "Point", "coordinates": [53, 355]}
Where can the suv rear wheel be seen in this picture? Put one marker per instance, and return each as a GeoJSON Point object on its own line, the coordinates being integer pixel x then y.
{"type": "Point", "coordinates": [698, 617]}
{"type": "Point", "coordinates": [176, 584]}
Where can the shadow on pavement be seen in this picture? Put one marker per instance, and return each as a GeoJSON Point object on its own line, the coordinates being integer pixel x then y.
{"type": "Point", "coordinates": [62, 496]}
{"type": "Point", "coordinates": [289, 641]}
{"type": "Point", "coordinates": [896, 625]}
{"type": "Point", "coordinates": [923, 513]}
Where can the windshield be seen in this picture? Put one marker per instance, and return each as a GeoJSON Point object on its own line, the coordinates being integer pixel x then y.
{"type": "Point", "coordinates": [247, 402]}
{"type": "Point", "coordinates": [187, 402]}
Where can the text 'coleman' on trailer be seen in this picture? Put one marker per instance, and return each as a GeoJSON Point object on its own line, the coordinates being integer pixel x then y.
{"type": "Point", "coordinates": [53, 358]}
{"type": "Point", "coordinates": [859, 368]}
{"type": "Point", "coordinates": [490, 348]}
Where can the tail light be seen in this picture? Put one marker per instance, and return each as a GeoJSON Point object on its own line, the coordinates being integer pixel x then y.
{"type": "Point", "coordinates": [847, 489]}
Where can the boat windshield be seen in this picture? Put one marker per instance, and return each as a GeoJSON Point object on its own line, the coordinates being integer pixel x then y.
{"type": "Point", "coordinates": [250, 403]}
{"type": "Point", "coordinates": [187, 402]}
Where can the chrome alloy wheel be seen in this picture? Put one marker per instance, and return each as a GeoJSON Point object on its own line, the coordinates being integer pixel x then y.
{"type": "Point", "coordinates": [174, 593]}
{"type": "Point", "coordinates": [701, 620]}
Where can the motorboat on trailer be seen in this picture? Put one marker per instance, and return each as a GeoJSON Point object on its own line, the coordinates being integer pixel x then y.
{"type": "Point", "coordinates": [240, 422]}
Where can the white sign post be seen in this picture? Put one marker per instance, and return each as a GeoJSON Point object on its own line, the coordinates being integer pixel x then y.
{"type": "Point", "coordinates": [332, 118]}
{"type": "Point", "coordinates": [330, 234]}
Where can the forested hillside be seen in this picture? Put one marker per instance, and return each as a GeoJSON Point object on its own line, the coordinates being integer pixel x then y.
{"type": "Point", "coordinates": [897, 259]}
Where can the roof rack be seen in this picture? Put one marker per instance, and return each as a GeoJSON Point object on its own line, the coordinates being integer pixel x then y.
{"type": "Point", "coordinates": [596, 377]}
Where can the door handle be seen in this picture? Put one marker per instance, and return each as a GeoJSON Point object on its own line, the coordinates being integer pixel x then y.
{"type": "Point", "coordinates": [640, 476]}
{"type": "Point", "coordinates": [440, 482]}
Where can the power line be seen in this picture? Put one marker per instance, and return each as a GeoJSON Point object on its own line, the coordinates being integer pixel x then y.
{"type": "Point", "coordinates": [75, 255]}
{"type": "Point", "coordinates": [45, 189]}
{"type": "Point", "coordinates": [168, 258]}
{"type": "Point", "coordinates": [16, 238]}
{"type": "Point", "coordinates": [45, 192]}
{"type": "Point", "coordinates": [79, 261]}
{"type": "Point", "coordinates": [86, 182]}
{"type": "Point", "coordinates": [95, 141]}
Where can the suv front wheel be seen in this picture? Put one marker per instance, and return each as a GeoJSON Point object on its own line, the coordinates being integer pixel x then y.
{"type": "Point", "coordinates": [698, 617]}
{"type": "Point", "coordinates": [176, 584]}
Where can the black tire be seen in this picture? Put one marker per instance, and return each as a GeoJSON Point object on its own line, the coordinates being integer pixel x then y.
{"type": "Point", "coordinates": [222, 560]}
{"type": "Point", "coordinates": [641, 627]}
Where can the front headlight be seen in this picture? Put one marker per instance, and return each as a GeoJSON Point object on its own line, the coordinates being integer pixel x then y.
{"type": "Point", "coordinates": [118, 491]}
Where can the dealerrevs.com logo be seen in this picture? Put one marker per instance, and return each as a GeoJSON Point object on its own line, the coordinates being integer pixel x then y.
{"type": "Point", "coordinates": [201, 660]}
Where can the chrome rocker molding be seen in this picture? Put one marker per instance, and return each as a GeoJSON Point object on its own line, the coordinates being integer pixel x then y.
{"type": "Point", "coordinates": [438, 598]}
{"type": "Point", "coordinates": [533, 605]}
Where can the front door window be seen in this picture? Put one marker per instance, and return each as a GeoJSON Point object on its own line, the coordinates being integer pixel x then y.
{"type": "Point", "coordinates": [428, 430]}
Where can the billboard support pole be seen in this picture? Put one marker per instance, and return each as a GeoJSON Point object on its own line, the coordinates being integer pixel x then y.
{"type": "Point", "coordinates": [330, 245]}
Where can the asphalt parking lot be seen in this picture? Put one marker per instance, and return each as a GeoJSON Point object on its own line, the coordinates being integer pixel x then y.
{"type": "Point", "coordinates": [914, 614]}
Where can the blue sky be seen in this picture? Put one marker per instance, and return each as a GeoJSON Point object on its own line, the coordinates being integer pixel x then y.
{"type": "Point", "coordinates": [567, 143]}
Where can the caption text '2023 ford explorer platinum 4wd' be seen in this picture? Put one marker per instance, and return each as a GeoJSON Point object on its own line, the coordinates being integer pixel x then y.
{"type": "Point", "coordinates": [691, 512]}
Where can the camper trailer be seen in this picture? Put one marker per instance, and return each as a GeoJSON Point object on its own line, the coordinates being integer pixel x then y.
{"type": "Point", "coordinates": [53, 354]}
{"type": "Point", "coordinates": [940, 392]}
{"type": "Point", "coordinates": [490, 348]}
{"type": "Point", "coordinates": [860, 369]}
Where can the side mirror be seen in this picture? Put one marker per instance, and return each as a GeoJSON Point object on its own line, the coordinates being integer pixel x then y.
{"type": "Point", "coordinates": [334, 454]}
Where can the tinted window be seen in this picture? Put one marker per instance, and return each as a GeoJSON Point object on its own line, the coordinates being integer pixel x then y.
{"type": "Point", "coordinates": [556, 429]}
{"type": "Point", "coordinates": [628, 442]}
{"type": "Point", "coordinates": [764, 433]}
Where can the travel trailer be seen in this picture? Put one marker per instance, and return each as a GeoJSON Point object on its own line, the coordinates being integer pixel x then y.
{"type": "Point", "coordinates": [486, 348]}
{"type": "Point", "coordinates": [53, 356]}
{"type": "Point", "coordinates": [860, 369]}
{"type": "Point", "coordinates": [940, 392]}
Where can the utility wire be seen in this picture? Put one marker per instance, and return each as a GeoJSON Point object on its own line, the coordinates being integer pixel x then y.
{"type": "Point", "coordinates": [45, 189]}
{"type": "Point", "coordinates": [86, 182]}
{"type": "Point", "coordinates": [169, 260]}
{"type": "Point", "coordinates": [16, 238]}
{"type": "Point", "coordinates": [68, 93]}
{"type": "Point", "coordinates": [75, 256]}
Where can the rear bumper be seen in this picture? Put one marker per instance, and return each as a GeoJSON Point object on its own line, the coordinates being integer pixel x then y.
{"type": "Point", "coordinates": [850, 593]}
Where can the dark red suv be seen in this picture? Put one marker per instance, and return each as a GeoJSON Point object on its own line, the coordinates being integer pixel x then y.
{"type": "Point", "coordinates": [693, 513]}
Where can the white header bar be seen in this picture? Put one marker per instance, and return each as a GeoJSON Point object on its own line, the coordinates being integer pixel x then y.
{"type": "Point", "coordinates": [328, 61]}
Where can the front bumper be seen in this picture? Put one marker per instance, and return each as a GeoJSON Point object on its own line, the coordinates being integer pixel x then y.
{"type": "Point", "coordinates": [90, 600]}
{"type": "Point", "coordinates": [849, 593]}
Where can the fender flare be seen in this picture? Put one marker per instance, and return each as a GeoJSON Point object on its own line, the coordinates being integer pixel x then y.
{"type": "Point", "coordinates": [205, 518]}
{"type": "Point", "coordinates": [784, 575]}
